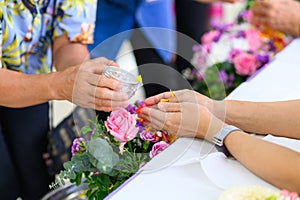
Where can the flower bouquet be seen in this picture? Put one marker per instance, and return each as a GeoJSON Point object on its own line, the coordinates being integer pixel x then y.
{"type": "Point", "coordinates": [258, 193]}
{"type": "Point", "coordinates": [116, 149]}
{"type": "Point", "coordinates": [230, 53]}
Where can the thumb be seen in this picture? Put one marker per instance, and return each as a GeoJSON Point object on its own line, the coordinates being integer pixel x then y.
{"type": "Point", "coordinates": [169, 107]}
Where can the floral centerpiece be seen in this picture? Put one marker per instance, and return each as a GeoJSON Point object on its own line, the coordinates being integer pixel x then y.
{"type": "Point", "coordinates": [230, 53]}
{"type": "Point", "coordinates": [257, 193]}
{"type": "Point", "coordinates": [117, 148]}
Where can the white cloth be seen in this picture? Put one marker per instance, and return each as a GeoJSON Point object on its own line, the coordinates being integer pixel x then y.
{"type": "Point", "coordinates": [192, 169]}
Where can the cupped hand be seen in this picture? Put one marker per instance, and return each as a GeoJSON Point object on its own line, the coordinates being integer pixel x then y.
{"type": "Point", "coordinates": [182, 119]}
{"type": "Point", "coordinates": [280, 15]}
{"type": "Point", "coordinates": [87, 87]}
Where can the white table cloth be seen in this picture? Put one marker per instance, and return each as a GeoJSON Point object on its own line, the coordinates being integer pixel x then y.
{"type": "Point", "coordinates": [191, 169]}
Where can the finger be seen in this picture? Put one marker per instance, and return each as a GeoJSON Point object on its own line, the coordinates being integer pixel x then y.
{"type": "Point", "coordinates": [98, 65]}
{"type": "Point", "coordinates": [111, 104]}
{"type": "Point", "coordinates": [154, 116]}
{"type": "Point", "coordinates": [169, 107]}
{"type": "Point", "coordinates": [260, 21]}
{"type": "Point", "coordinates": [262, 4]}
{"type": "Point", "coordinates": [109, 83]}
{"type": "Point", "coordinates": [156, 99]}
{"type": "Point", "coordinates": [108, 106]}
{"type": "Point", "coordinates": [108, 94]}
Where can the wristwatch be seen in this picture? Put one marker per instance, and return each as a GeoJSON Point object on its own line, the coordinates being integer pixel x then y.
{"type": "Point", "coordinates": [218, 139]}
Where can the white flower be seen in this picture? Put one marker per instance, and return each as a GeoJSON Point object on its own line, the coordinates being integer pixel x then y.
{"type": "Point", "coordinates": [240, 43]}
{"type": "Point", "coordinates": [248, 193]}
{"type": "Point", "coordinates": [219, 52]}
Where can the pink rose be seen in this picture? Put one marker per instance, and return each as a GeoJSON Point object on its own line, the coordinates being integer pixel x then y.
{"type": "Point", "coordinates": [157, 148]}
{"type": "Point", "coordinates": [210, 37]}
{"type": "Point", "coordinates": [122, 125]}
{"type": "Point", "coordinates": [233, 53]}
{"type": "Point", "coordinates": [245, 64]}
{"type": "Point", "coordinates": [254, 39]}
{"type": "Point", "coordinates": [148, 136]}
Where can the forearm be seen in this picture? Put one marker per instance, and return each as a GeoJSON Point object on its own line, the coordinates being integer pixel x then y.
{"type": "Point", "coordinates": [70, 54]}
{"type": "Point", "coordinates": [277, 118]}
{"type": "Point", "coordinates": [20, 90]}
{"type": "Point", "coordinates": [275, 164]}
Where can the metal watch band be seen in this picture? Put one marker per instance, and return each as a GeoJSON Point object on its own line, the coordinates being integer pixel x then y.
{"type": "Point", "coordinates": [218, 139]}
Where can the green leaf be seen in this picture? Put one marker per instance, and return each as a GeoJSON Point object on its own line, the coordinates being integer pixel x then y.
{"type": "Point", "coordinates": [86, 129]}
{"type": "Point", "coordinates": [104, 154]}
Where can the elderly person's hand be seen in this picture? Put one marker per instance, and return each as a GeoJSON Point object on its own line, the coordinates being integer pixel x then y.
{"type": "Point", "coordinates": [280, 15]}
{"type": "Point", "coordinates": [180, 96]}
{"type": "Point", "coordinates": [86, 86]}
{"type": "Point", "coordinates": [182, 119]}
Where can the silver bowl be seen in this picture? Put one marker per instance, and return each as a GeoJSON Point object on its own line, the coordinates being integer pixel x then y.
{"type": "Point", "coordinates": [68, 192]}
{"type": "Point", "coordinates": [128, 80]}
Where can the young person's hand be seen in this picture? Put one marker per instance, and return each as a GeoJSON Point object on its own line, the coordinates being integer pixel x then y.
{"type": "Point", "coordinates": [280, 15]}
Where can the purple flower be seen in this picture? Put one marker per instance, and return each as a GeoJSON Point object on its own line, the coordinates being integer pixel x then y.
{"type": "Point", "coordinates": [227, 80]}
{"type": "Point", "coordinates": [197, 47]}
{"type": "Point", "coordinates": [139, 125]}
{"type": "Point", "coordinates": [78, 146]}
{"type": "Point", "coordinates": [222, 27]}
{"type": "Point", "coordinates": [263, 59]}
{"type": "Point", "coordinates": [222, 76]}
{"type": "Point", "coordinates": [148, 136]}
{"type": "Point", "coordinates": [241, 34]}
{"type": "Point", "coordinates": [157, 148]}
{"type": "Point", "coordinates": [243, 15]}
{"type": "Point", "coordinates": [131, 108]}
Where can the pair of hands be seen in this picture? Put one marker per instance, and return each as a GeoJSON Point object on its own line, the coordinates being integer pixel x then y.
{"type": "Point", "coordinates": [84, 85]}
{"type": "Point", "coordinates": [187, 114]}
{"type": "Point", "coordinates": [279, 15]}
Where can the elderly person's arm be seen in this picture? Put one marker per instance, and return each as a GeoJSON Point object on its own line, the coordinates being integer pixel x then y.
{"type": "Point", "coordinates": [277, 118]}
{"type": "Point", "coordinates": [273, 163]}
{"type": "Point", "coordinates": [279, 15]}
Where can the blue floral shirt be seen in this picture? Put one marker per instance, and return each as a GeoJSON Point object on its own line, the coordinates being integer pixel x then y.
{"type": "Point", "coordinates": [25, 35]}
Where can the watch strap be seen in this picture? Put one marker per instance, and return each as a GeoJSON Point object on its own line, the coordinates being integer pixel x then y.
{"type": "Point", "coordinates": [218, 139]}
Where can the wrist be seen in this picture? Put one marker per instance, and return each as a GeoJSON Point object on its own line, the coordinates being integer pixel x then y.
{"type": "Point", "coordinates": [218, 109]}
{"type": "Point", "coordinates": [61, 84]}
{"type": "Point", "coordinates": [221, 136]}
{"type": "Point", "coordinates": [209, 125]}
{"type": "Point", "coordinates": [53, 86]}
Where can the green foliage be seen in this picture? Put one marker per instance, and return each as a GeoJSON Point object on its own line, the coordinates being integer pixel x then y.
{"type": "Point", "coordinates": [212, 86]}
{"type": "Point", "coordinates": [101, 166]}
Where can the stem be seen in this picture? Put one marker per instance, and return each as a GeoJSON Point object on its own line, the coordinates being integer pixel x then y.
{"type": "Point", "coordinates": [129, 146]}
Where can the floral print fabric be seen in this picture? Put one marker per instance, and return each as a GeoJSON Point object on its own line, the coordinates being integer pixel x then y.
{"type": "Point", "coordinates": [26, 35]}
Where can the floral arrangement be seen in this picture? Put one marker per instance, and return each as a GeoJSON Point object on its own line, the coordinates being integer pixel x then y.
{"type": "Point", "coordinates": [257, 193]}
{"type": "Point", "coordinates": [230, 53]}
{"type": "Point", "coordinates": [117, 149]}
